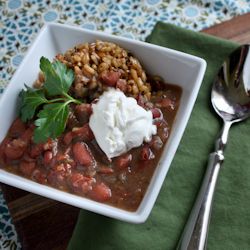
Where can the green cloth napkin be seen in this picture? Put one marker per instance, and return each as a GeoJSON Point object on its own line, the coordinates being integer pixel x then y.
{"type": "Point", "coordinates": [230, 222]}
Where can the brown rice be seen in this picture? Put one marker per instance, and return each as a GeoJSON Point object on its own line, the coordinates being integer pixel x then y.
{"type": "Point", "coordinates": [90, 61]}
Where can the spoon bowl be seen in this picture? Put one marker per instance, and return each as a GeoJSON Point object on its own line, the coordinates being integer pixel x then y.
{"type": "Point", "coordinates": [231, 91]}
{"type": "Point", "coordinates": [230, 98]}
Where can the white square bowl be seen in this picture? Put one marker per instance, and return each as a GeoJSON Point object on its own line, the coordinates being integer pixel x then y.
{"type": "Point", "coordinates": [176, 67]}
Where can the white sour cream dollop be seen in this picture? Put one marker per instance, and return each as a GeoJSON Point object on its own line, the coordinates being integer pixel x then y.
{"type": "Point", "coordinates": [119, 123]}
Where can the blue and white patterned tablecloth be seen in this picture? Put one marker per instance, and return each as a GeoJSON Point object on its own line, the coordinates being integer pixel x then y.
{"type": "Point", "coordinates": [20, 21]}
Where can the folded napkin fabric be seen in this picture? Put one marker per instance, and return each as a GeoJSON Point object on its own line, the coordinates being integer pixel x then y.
{"type": "Point", "coordinates": [230, 222]}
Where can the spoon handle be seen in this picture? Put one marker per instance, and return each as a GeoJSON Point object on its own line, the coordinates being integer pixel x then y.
{"type": "Point", "coordinates": [194, 236]}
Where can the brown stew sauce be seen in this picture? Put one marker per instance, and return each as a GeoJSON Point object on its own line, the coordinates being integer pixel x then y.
{"type": "Point", "coordinates": [74, 162]}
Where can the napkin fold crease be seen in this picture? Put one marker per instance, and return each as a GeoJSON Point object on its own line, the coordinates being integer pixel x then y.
{"type": "Point", "coordinates": [230, 222]}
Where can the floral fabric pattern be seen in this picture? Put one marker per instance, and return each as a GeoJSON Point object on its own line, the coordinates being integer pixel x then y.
{"type": "Point", "coordinates": [21, 20]}
{"type": "Point", "coordinates": [8, 235]}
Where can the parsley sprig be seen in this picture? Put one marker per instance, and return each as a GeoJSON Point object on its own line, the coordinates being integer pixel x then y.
{"type": "Point", "coordinates": [50, 104]}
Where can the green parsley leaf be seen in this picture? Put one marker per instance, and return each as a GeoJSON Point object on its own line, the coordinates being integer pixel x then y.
{"type": "Point", "coordinates": [31, 99]}
{"type": "Point", "coordinates": [52, 99]}
{"type": "Point", "coordinates": [58, 78]}
{"type": "Point", "coordinates": [51, 121]}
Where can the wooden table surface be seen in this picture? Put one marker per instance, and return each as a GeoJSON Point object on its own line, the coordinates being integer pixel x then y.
{"type": "Point", "coordinates": [46, 224]}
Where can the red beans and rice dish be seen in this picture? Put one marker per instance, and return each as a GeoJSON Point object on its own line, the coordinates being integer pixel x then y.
{"type": "Point", "coordinates": [73, 162]}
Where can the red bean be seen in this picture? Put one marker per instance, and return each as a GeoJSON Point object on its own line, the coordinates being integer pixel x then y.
{"type": "Point", "coordinates": [122, 85]}
{"type": "Point", "coordinates": [68, 138]}
{"type": "Point", "coordinates": [27, 167]}
{"type": "Point", "coordinates": [146, 153]}
{"type": "Point", "coordinates": [27, 135]}
{"type": "Point", "coordinates": [15, 149]}
{"type": "Point", "coordinates": [123, 161]}
{"type": "Point", "coordinates": [156, 113]}
{"type": "Point", "coordinates": [84, 108]}
{"type": "Point", "coordinates": [36, 150]}
{"type": "Point", "coordinates": [82, 154]}
{"type": "Point", "coordinates": [84, 133]}
{"type": "Point", "coordinates": [110, 78]}
{"type": "Point", "coordinates": [48, 156]}
{"type": "Point", "coordinates": [100, 192]}
{"type": "Point", "coordinates": [105, 170]}
{"type": "Point", "coordinates": [83, 112]}
{"type": "Point", "coordinates": [17, 128]}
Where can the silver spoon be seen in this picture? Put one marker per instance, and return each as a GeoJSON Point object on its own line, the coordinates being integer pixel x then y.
{"type": "Point", "coordinates": [231, 100]}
